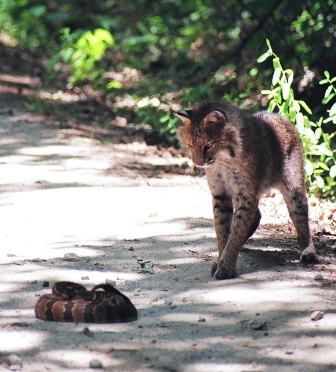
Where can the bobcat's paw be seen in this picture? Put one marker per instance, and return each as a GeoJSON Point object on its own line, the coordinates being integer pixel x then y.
{"type": "Point", "coordinates": [225, 273]}
{"type": "Point", "coordinates": [213, 268]}
{"type": "Point", "coordinates": [309, 257]}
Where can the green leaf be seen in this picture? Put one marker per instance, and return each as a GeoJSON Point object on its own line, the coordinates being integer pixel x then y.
{"type": "Point", "coordinates": [268, 43]}
{"type": "Point", "coordinates": [114, 84]}
{"type": "Point", "coordinates": [290, 77]}
{"type": "Point", "coordinates": [276, 63]}
{"type": "Point", "coordinates": [309, 167]}
{"type": "Point", "coordinates": [324, 81]}
{"type": "Point", "coordinates": [311, 135]}
{"type": "Point", "coordinates": [300, 122]}
{"type": "Point", "coordinates": [332, 171]}
{"type": "Point", "coordinates": [328, 91]}
{"type": "Point", "coordinates": [329, 98]}
{"type": "Point", "coordinates": [321, 150]}
{"type": "Point", "coordinates": [305, 106]}
{"type": "Point", "coordinates": [332, 111]}
{"type": "Point", "coordinates": [276, 75]}
{"type": "Point", "coordinates": [318, 133]}
{"type": "Point", "coordinates": [326, 74]}
{"type": "Point", "coordinates": [264, 56]}
{"type": "Point", "coordinates": [296, 106]}
{"type": "Point", "coordinates": [323, 166]}
{"type": "Point", "coordinates": [285, 90]}
{"type": "Point", "coordinates": [319, 182]}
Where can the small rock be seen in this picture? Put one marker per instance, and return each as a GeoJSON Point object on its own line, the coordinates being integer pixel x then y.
{"type": "Point", "coordinates": [45, 285]}
{"type": "Point", "coordinates": [318, 277]}
{"type": "Point", "coordinates": [172, 307]}
{"type": "Point", "coordinates": [86, 331]}
{"type": "Point", "coordinates": [316, 315]}
{"type": "Point", "coordinates": [96, 363]}
{"type": "Point", "coordinates": [38, 260]}
{"type": "Point", "coordinates": [139, 259]}
{"type": "Point", "coordinates": [33, 282]}
{"type": "Point", "coordinates": [201, 320]}
{"type": "Point", "coordinates": [85, 278]}
{"type": "Point", "coordinates": [168, 364]}
{"type": "Point", "coordinates": [15, 367]}
{"type": "Point", "coordinates": [168, 302]}
{"type": "Point", "coordinates": [131, 249]}
{"type": "Point", "coordinates": [259, 326]}
{"type": "Point", "coordinates": [14, 360]}
{"type": "Point", "coordinates": [111, 282]}
{"type": "Point", "coordinates": [20, 262]}
{"type": "Point", "coordinates": [71, 257]}
{"type": "Point", "coordinates": [324, 240]}
{"type": "Point", "coordinates": [320, 230]}
{"type": "Point", "coordinates": [289, 352]}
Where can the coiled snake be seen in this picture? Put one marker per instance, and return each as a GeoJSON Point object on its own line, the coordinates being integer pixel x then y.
{"type": "Point", "coordinates": [72, 302]}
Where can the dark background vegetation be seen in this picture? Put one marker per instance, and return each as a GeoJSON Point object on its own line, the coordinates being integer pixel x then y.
{"type": "Point", "coordinates": [151, 58]}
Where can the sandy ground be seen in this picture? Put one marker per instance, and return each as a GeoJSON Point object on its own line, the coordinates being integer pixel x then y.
{"type": "Point", "coordinates": [113, 205]}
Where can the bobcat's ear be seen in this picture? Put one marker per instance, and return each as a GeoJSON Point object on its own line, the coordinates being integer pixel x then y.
{"type": "Point", "coordinates": [185, 116]}
{"type": "Point", "coordinates": [215, 117]}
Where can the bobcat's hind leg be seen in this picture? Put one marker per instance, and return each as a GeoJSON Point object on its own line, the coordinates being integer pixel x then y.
{"type": "Point", "coordinates": [297, 204]}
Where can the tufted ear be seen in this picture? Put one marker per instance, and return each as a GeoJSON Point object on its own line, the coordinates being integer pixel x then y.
{"type": "Point", "coordinates": [215, 117]}
{"type": "Point", "coordinates": [185, 116]}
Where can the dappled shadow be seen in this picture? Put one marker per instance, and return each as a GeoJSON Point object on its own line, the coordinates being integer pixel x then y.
{"type": "Point", "coordinates": [187, 320]}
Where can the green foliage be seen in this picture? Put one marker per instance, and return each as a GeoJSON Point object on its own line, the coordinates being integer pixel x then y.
{"type": "Point", "coordinates": [183, 50]}
{"type": "Point", "coordinates": [320, 165]}
{"type": "Point", "coordinates": [81, 51]}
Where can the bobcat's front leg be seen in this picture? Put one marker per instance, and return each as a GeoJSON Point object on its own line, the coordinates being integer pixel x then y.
{"type": "Point", "coordinates": [245, 219]}
{"type": "Point", "coordinates": [223, 211]}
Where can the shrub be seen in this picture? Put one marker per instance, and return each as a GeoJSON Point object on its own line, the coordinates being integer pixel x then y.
{"type": "Point", "coordinates": [320, 163]}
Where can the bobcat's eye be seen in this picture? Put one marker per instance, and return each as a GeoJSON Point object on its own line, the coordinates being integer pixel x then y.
{"type": "Point", "coordinates": [207, 147]}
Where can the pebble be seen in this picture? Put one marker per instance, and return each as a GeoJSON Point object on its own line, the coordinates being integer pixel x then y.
{"type": "Point", "coordinates": [86, 331]}
{"type": "Point", "coordinates": [111, 282]}
{"type": "Point", "coordinates": [168, 364]}
{"type": "Point", "coordinates": [201, 320]}
{"type": "Point", "coordinates": [19, 263]}
{"type": "Point", "coordinates": [14, 359]}
{"type": "Point", "coordinates": [169, 302]}
{"type": "Point", "coordinates": [85, 278]}
{"type": "Point", "coordinates": [318, 277]}
{"type": "Point", "coordinates": [33, 282]}
{"type": "Point", "coordinates": [96, 363]}
{"type": "Point", "coordinates": [15, 367]}
{"type": "Point", "coordinates": [316, 315]}
{"type": "Point", "coordinates": [45, 285]}
{"type": "Point", "coordinates": [38, 260]}
{"type": "Point", "coordinates": [71, 257]}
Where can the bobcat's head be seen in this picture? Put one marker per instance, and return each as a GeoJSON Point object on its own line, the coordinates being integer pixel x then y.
{"type": "Point", "coordinates": [211, 132]}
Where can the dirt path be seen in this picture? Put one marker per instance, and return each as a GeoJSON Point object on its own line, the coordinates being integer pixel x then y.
{"type": "Point", "coordinates": [111, 205]}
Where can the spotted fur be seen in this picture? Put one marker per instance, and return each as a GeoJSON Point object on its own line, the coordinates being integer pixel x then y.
{"type": "Point", "coordinates": [243, 156]}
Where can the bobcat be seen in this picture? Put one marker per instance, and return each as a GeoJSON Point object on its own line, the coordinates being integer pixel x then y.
{"type": "Point", "coordinates": [243, 156]}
